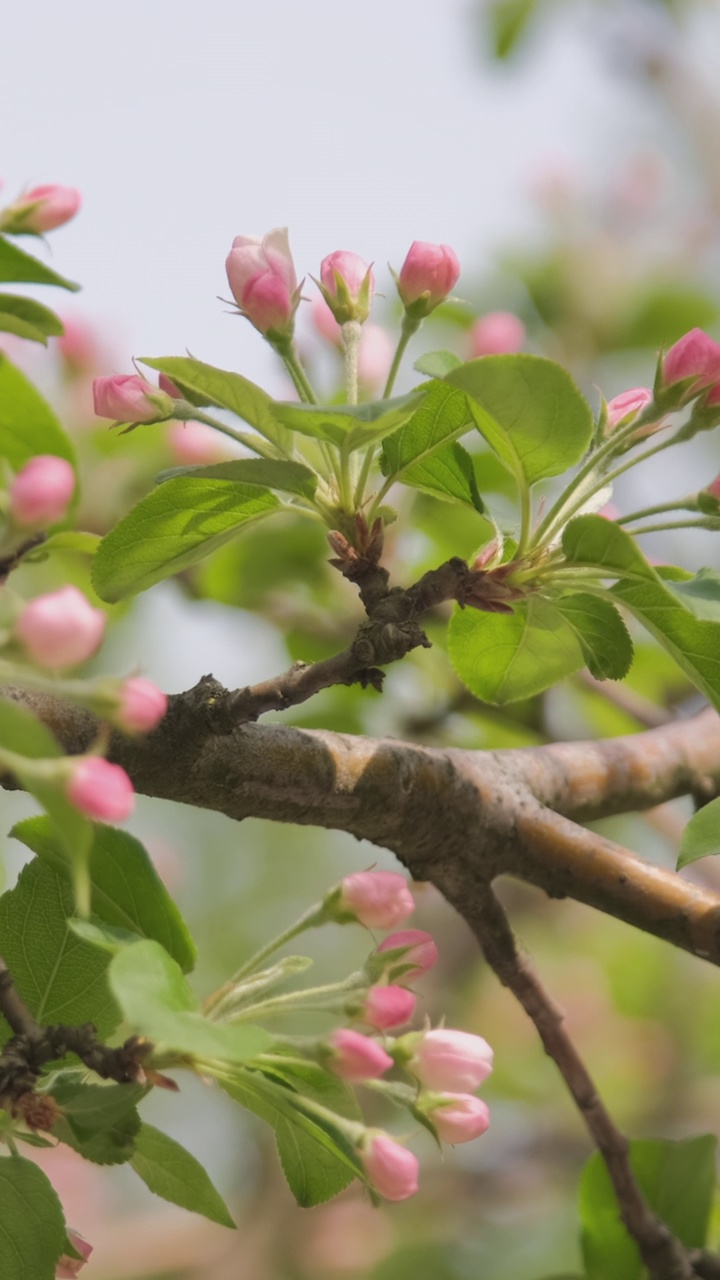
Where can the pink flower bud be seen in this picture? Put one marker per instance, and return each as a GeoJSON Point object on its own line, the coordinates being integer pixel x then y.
{"type": "Point", "coordinates": [261, 275]}
{"type": "Point", "coordinates": [457, 1117]}
{"type": "Point", "coordinates": [696, 356]}
{"type": "Point", "coordinates": [43, 209]}
{"type": "Point", "coordinates": [354, 1057]}
{"type": "Point", "coordinates": [40, 493]}
{"type": "Point", "coordinates": [348, 285]}
{"type": "Point", "coordinates": [142, 706]}
{"type": "Point", "coordinates": [391, 1168]}
{"type": "Point", "coordinates": [194, 443]}
{"type": "Point", "coordinates": [67, 1267]}
{"type": "Point", "coordinates": [498, 333]}
{"type": "Point", "coordinates": [375, 354]}
{"type": "Point", "coordinates": [378, 899]}
{"type": "Point", "coordinates": [628, 404]}
{"type": "Point", "coordinates": [412, 953]}
{"type": "Point", "coordinates": [60, 629]}
{"type": "Point", "coordinates": [100, 790]}
{"type": "Point", "coordinates": [126, 397]}
{"type": "Point", "coordinates": [387, 1007]}
{"type": "Point", "coordinates": [452, 1060]}
{"type": "Point", "coordinates": [428, 274]}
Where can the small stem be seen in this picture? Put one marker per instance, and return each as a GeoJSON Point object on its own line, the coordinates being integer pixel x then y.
{"type": "Point", "coordinates": [409, 327]}
{"type": "Point", "coordinates": [711, 522]}
{"type": "Point", "coordinates": [351, 331]}
{"type": "Point", "coordinates": [363, 477]}
{"type": "Point", "coordinates": [291, 360]}
{"type": "Point", "coordinates": [525, 517]}
{"type": "Point", "coordinates": [687, 504]}
{"type": "Point", "coordinates": [255, 443]}
{"type": "Point", "coordinates": [309, 998]}
{"type": "Point", "coordinates": [309, 920]}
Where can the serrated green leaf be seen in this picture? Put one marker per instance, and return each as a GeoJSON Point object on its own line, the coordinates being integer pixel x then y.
{"type": "Point", "coordinates": [33, 1226]}
{"type": "Point", "coordinates": [318, 1159]}
{"type": "Point", "coordinates": [19, 267]}
{"type": "Point", "coordinates": [27, 423]}
{"type": "Point", "coordinates": [156, 1000]}
{"type": "Point", "coordinates": [448, 473]}
{"type": "Point", "coordinates": [603, 636]}
{"type": "Point", "coordinates": [701, 837]}
{"type": "Point", "coordinates": [529, 411]}
{"type": "Point", "coordinates": [98, 1121]}
{"type": "Point", "coordinates": [60, 977]}
{"type": "Point", "coordinates": [503, 657]}
{"type": "Point", "coordinates": [203, 384]}
{"type": "Point", "coordinates": [438, 421]}
{"type": "Point", "coordinates": [693, 642]}
{"type": "Point", "coordinates": [437, 363]}
{"type": "Point", "coordinates": [168, 1170]}
{"type": "Point", "coordinates": [173, 527]}
{"type": "Point", "coordinates": [349, 426]}
{"type": "Point", "coordinates": [28, 319]}
{"type": "Point", "coordinates": [126, 890]}
{"type": "Point", "coordinates": [289, 477]}
{"type": "Point", "coordinates": [678, 1182]}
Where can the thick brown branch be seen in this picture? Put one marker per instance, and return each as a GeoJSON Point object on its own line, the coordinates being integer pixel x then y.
{"type": "Point", "coordinates": [664, 1256]}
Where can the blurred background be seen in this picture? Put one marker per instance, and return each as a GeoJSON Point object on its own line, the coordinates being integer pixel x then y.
{"type": "Point", "coordinates": [567, 150]}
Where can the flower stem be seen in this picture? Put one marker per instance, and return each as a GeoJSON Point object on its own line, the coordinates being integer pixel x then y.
{"type": "Point", "coordinates": [409, 327]}
{"type": "Point", "coordinates": [255, 443]}
{"type": "Point", "coordinates": [351, 331]}
{"type": "Point", "coordinates": [310, 920]}
{"type": "Point", "coordinates": [291, 360]}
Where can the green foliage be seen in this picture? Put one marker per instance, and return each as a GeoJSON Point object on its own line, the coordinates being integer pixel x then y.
{"type": "Point", "coordinates": [435, 364]}
{"type": "Point", "coordinates": [529, 411]}
{"type": "Point", "coordinates": [33, 1226]}
{"type": "Point", "coordinates": [27, 423]}
{"type": "Point", "coordinates": [604, 640]}
{"type": "Point", "coordinates": [439, 420]}
{"type": "Point", "coordinates": [157, 1002]}
{"type": "Point", "coordinates": [349, 426]}
{"type": "Point", "coordinates": [701, 837]}
{"type": "Point", "coordinates": [99, 1121]}
{"type": "Point", "coordinates": [173, 527]}
{"type": "Point", "coordinates": [678, 1182]}
{"type": "Point", "coordinates": [28, 319]}
{"type": "Point", "coordinates": [503, 657]}
{"type": "Point", "coordinates": [60, 977]}
{"type": "Point", "coordinates": [448, 473]}
{"type": "Point", "coordinates": [18, 267]}
{"type": "Point", "coordinates": [126, 890]}
{"type": "Point", "coordinates": [508, 21]}
{"type": "Point", "coordinates": [289, 477]}
{"type": "Point", "coordinates": [168, 1170]}
{"type": "Point", "coordinates": [202, 384]}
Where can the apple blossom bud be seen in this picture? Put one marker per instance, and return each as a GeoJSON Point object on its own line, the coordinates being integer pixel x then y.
{"type": "Point", "coordinates": [60, 629]}
{"type": "Point", "coordinates": [453, 1060]}
{"type": "Point", "coordinates": [377, 899]}
{"type": "Point", "coordinates": [695, 356]}
{"type": "Point", "coordinates": [428, 274]}
{"type": "Point", "coordinates": [627, 405]}
{"type": "Point", "coordinates": [391, 1168]}
{"type": "Point", "coordinates": [375, 355]}
{"type": "Point", "coordinates": [126, 397]}
{"type": "Point", "coordinates": [40, 493]}
{"type": "Point", "coordinates": [498, 333]}
{"type": "Point", "coordinates": [41, 209]}
{"type": "Point", "coordinates": [410, 953]}
{"type": "Point", "coordinates": [386, 1007]}
{"type": "Point", "coordinates": [457, 1117]}
{"type": "Point", "coordinates": [142, 706]}
{"type": "Point", "coordinates": [66, 1267]}
{"type": "Point", "coordinates": [100, 790]}
{"type": "Point", "coordinates": [261, 275]}
{"type": "Point", "coordinates": [355, 1057]}
{"type": "Point", "coordinates": [347, 284]}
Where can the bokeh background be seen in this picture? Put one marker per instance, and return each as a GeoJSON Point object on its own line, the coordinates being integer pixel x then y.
{"type": "Point", "coordinates": [567, 149]}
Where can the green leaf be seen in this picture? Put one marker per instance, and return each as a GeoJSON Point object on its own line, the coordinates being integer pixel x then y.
{"type": "Point", "coordinates": [449, 474]}
{"type": "Point", "coordinates": [172, 528]}
{"type": "Point", "coordinates": [509, 20]}
{"type": "Point", "coordinates": [438, 421]}
{"type": "Point", "coordinates": [158, 1003]}
{"type": "Point", "coordinates": [349, 426]}
{"type": "Point", "coordinates": [22, 732]}
{"type": "Point", "coordinates": [126, 890]}
{"type": "Point", "coordinates": [700, 594]}
{"type": "Point", "coordinates": [503, 657]}
{"type": "Point", "coordinates": [77, 540]}
{"type": "Point", "coordinates": [98, 1121]}
{"type": "Point", "coordinates": [168, 1170]}
{"type": "Point", "coordinates": [694, 643]}
{"type": "Point", "coordinates": [678, 1181]}
{"type": "Point", "coordinates": [529, 411]}
{"type": "Point", "coordinates": [701, 837]}
{"type": "Point", "coordinates": [33, 1226]}
{"type": "Point", "coordinates": [437, 363]}
{"type": "Point", "coordinates": [28, 319]}
{"type": "Point", "coordinates": [290, 477]}
{"type": "Point", "coordinates": [603, 636]}
{"type": "Point", "coordinates": [19, 267]}
{"type": "Point", "coordinates": [203, 384]}
{"type": "Point", "coordinates": [318, 1159]}
{"type": "Point", "coordinates": [27, 423]}
{"type": "Point", "coordinates": [60, 977]}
